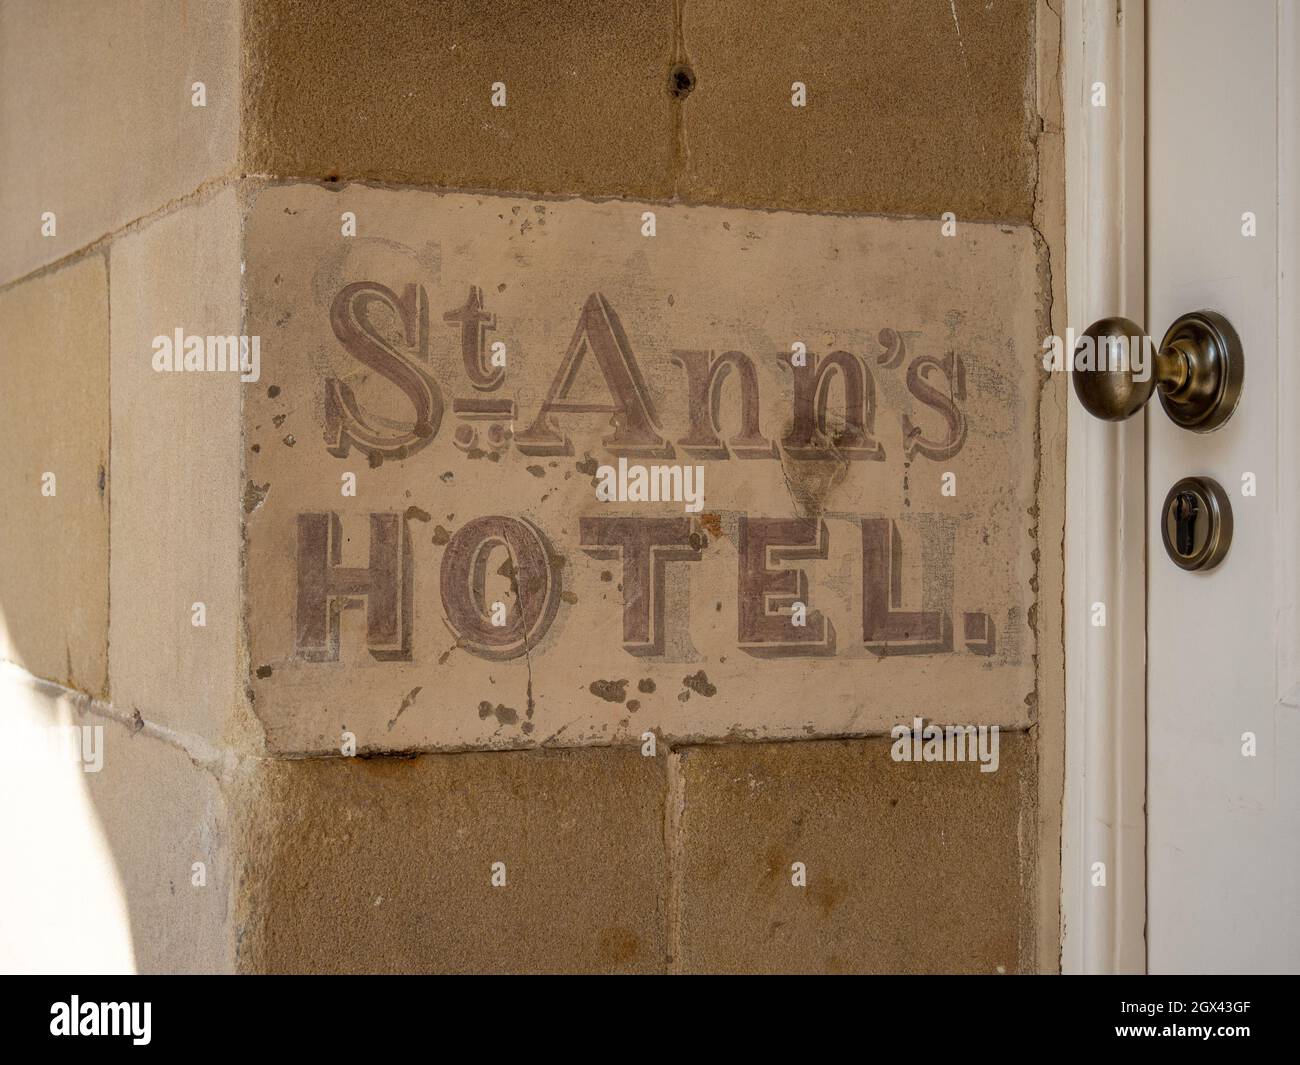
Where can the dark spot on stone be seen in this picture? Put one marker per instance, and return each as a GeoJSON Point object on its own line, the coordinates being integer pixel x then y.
{"type": "Point", "coordinates": [618, 944]}
{"type": "Point", "coordinates": [569, 597]}
{"type": "Point", "coordinates": [445, 477]}
{"type": "Point", "coordinates": [289, 440]}
{"type": "Point", "coordinates": [645, 686]}
{"type": "Point", "coordinates": [681, 81]}
{"type": "Point", "coordinates": [273, 391]}
{"type": "Point", "coordinates": [278, 420]}
{"type": "Point", "coordinates": [698, 541]}
{"type": "Point", "coordinates": [699, 683]}
{"type": "Point", "coordinates": [407, 700]}
{"type": "Point", "coordinates": [102, 477]}
{"type": "Point", "coordinates": [254, 496]}
{"type": "Point", "coordinates": [507, 570]}
{"type": "Point", "coordinates": [605, 575]}
{"type": "Point", "coordinates": [536, 471]}
{"type": "Point", "coordinates": [588, 466]}
{"type": "Point", "coordinates": [257, 448]}
{"type": "Point", "coordinates": [263, 671]}
{"type": "Point", "coordinates": [137, 722]}
{"type": "Point", "coordinates": [495, 456]}
{"type": "Point", "coordinates": [441, 536]}
{"type": "Point", "coordinates": [718, 607]}
{"type": "Point", "coordinates": [826, 893]}
{"type": "Point", "coordinates": [527, 728]}
{"type": "Point", "coordinates": [376, 460]}
{"type": "Point", "coordinates": [416, 514]}
{"type": "Point", "coordinates": [505, 715]}
{"type": "Point", "coordinates": [612, 691]}
{"type": "Point", "coordinates": [633, 705]}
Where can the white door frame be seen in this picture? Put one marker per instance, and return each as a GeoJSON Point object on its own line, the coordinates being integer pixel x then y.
{"type": "Point", "coordinates": [1104, 820]}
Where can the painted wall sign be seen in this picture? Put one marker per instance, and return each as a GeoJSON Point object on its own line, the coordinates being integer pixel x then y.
{"type": "Point", "coordinates": [518, 473]}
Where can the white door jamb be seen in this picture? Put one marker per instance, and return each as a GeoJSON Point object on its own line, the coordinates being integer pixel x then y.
{"type": "Point", "coordinates": [1103, 906]}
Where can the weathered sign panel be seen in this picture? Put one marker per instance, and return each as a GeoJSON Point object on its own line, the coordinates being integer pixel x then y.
{"type": "Point", "coordinates": [524, 473]}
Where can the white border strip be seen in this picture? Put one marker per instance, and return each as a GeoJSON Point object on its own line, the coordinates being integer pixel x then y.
{"type": "Point", "coordinates": [1103, 927]}
{"type": "Point", "coordinates": [1288, 343]}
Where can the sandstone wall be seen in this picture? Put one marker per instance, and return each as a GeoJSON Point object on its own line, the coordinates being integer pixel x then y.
{"type": "Point", "coordinates": [641, 753]}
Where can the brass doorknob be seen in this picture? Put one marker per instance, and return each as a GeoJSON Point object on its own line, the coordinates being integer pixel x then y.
{"type": "Point", "coordinates": [1197, 368]}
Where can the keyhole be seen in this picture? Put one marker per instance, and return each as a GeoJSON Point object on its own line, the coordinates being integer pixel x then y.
{"type": "Point", "coordinates": [1196, 523]}
{"type": "Point", "coordinates": [1186, 508]}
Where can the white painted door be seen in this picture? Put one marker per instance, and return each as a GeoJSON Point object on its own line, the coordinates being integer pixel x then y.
{"type": "Point", "coordinates": [1223, 824]}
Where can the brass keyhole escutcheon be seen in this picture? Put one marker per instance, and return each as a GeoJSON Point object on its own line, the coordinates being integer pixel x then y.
{"type": "Point", "coordinates": [1196, 523]}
